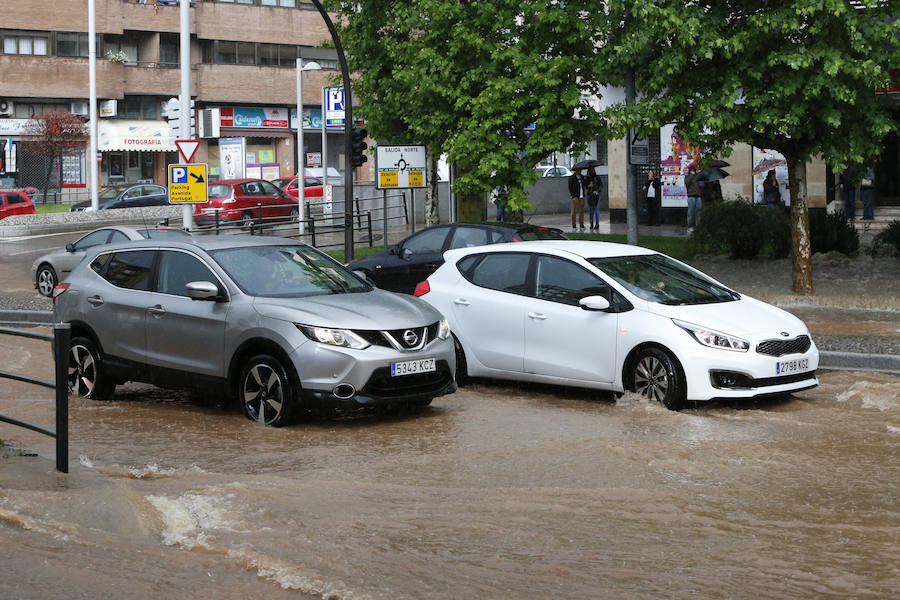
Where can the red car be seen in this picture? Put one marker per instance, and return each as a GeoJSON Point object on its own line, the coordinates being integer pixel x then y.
{"type": "Point", "coordinates": [312, 186]}
{"type": "Point", "coordinates": [241, 200]}
{"type": "Point", "coordinates": [15, 203]}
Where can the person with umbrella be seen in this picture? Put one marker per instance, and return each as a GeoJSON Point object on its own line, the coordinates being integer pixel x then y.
{"type": "Point", "coordinates": [694, 203]}
{"type": "Point", "coordinates": [771, 193]}
{"type": "Point", "coordinates": [576, 192]}
{"type": "Point", "coordinates": [653, 192]}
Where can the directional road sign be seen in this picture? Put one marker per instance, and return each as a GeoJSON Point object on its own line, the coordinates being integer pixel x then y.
{"type": "Point", "coordinates": [187, 184]}
{"type": "Point", "coordinates": [400, 167]}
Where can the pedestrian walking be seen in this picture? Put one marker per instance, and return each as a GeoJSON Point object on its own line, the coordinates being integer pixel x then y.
{"type": "Point", "coordinates": [867, 194]}
{"type": "Point", "coordinates": [848, 189]}
{"type": "Point", "coordinates": [771, 193]}
{"type": "Point", "coordinates": [593, 186]}
{"type": "Point", "coordinates": [576, 192]}
{"type": "Point", "coordinates": [653, 192]}
{"type": "Point", "coordinates": [498, 197]}
{"type": "Point", "coordinates": [694, 204]}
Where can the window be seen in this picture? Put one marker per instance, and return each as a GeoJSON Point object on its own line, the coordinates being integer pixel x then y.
{"type": "Point", "coordinates": [429, 241]}
{"type": "Point", "coordinates": [269, 189]}
{"type": "Point", "coordinates": [506, 272]}
{"type": "Point", "coordinates": [99, 263]}
{"type": "Point", "coordinates": [122, 46]}
{"type": "Point", "coordinates": [13, 198]}
{"type": "Point", "coordinates": [94, 238]}
{"type": "Point", "coordinates": [559, 280]}
{"type": "Point", "coordinates": [466, 237]}
{"type": "Point", "coordinates": [35, 44]}
{"type": "Point", "coordinates": [117, 236]}
{"type": "Point", "coordinates": [284, 3]}
{"type": "Point", "coordinates": [169, 50]}
{"type": "Point", "coordinates": [131, 270]}
{"type": "Point", "coordinates": [226, 52]}
{"type": "Point", "coordinates": [71, 44]}
{"type": "Point", "coordinates": [177, 269]}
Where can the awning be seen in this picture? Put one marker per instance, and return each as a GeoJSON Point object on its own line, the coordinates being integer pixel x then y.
{"type": "Point", "coordinates": [119, 134]}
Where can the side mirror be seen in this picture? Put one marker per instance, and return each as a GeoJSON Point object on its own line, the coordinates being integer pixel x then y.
{"type": "Point", "coordinates": [70, 247]}
{"type": "Point", "coordinates": [406, 253]}
{"type": "Point", "coordinates": [394, 250]}
{"type": "Point", "coordinates": [202, 290]}
{"type": "Point", "coordinates": [594, 303]}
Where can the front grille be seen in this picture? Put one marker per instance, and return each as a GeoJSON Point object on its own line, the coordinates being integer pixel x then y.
{"type": "Point", "coordinates": [381, 385]}
{"type": "Point", "coordinates": [798, 345]}
{"type": "Point", "coordinates": [377, 338]}
{"type": "Point", "coordinates": [793, 378]}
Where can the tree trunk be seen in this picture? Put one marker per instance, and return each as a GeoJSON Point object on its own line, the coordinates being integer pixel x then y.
{"type": "Point", "coordinates": [432, 214]}
{"type": "Point", "coordinates": [801, 255]}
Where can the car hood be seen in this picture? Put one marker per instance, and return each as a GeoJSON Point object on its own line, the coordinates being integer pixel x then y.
{"type": "Point", "coordinates": [747, 318]}
{"type": "Point", "coordinates": [375, 310]}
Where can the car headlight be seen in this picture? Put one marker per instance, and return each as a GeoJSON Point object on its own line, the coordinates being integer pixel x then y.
{"type": "Point", "coordinates": [714, 339]}
{"type": "Point", "coordinates": [334, 337]}
{"type": "Point", "coordinates": [443, 329]}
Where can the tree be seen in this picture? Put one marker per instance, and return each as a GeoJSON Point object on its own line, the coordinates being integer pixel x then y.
{"type": "Point", "coordinates": [796, 76]}
{"type": "Point", "coordinates": [54, 134]}
{"type": "Point", "coordinates": [468, 79]}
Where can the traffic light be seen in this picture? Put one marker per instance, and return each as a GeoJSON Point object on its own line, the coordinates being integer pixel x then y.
{"type": "Point", "coordinates": [357, 139]}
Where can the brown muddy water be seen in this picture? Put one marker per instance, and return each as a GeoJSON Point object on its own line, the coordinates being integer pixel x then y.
{"type": "Point", "coordinates": [497, 491]}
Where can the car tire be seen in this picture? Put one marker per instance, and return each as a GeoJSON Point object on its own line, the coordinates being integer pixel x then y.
{"type": "Point", "coordinates": [266, 391]}
{"type": "Point", "coordinates": [86, 376]}
{"type": "Point", "coordinates": [46, 280]}
{"type": "Point", "coordinates": [246, 220]}
{"type": "Point", "coordinates": [656, 375]}
{"type": "Point", "coordinates": [462, 368]}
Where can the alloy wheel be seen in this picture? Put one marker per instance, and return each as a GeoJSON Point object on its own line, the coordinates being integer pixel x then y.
{"type": "Point", "coordinates": [651, 379]}
{"type": "Point", "coordinates": [82, 370]}
{"type": "Point", "coordinates": [263, 394]}
{"type": "Point", "coordinates": [46, 281]}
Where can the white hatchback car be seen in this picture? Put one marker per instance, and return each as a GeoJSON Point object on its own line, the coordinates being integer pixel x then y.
{"type": "Point", "coordinates": [615, 317]}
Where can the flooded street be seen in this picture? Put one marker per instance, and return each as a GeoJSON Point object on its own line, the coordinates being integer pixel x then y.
{"type": "Point", "coordinates": [497, 491]}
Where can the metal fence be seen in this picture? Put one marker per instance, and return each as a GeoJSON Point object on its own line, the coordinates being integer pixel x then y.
{"type": "Point", "coordinates": [60, 345]}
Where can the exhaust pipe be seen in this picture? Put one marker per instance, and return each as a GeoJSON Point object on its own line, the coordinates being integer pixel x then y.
{"type": "Point", "coordinates": [344, 391]}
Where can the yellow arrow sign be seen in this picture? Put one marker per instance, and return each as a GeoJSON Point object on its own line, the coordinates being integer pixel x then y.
{"type": "Point", "coordinates": [187, 184]}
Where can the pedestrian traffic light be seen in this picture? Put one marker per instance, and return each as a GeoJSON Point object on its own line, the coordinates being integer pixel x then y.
{"type": "Point", "coordinates": [357, 139]}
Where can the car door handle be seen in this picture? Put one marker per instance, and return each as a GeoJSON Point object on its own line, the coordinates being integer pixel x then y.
{"type": "Point", "coordinates": [461, 302]}
{"type": "Point", "coordinates": [157, 311]}
{"type": "Point", "coordinates": [538, 316]}
{"type": "Point", "coordinates": [95, 300]}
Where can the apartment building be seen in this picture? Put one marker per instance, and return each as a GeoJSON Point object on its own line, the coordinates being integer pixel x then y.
{"type": "Point", "coordinates": [243, 81]}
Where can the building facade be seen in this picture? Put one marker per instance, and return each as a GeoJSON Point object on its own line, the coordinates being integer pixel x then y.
{"type": "Point", "coordinates": [243, 77]}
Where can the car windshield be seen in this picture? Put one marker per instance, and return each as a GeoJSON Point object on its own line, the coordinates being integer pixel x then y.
{"type": "Point", "coordinates": [541, 233]}
{"type": "Point", "coordinates": [109, 193]}
{"type": "Point", "coordinates": [286, 271]}
{"type": "Point", "coordinates": [658, 278]}
{"type": "Point", "coordinates": [219, 191]}
{"type": "Point", "coordinates": [283, 182]}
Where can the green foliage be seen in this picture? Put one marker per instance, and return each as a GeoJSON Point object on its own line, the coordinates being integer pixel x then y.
{"type": "Point", "coordinates": [889, 237]}
{"type": "Point", "coordinates": [832, 232]}
{"type": "Point", "coordinates": [743, 230]}
{"type": "Point", "coordinates": [468, 78]}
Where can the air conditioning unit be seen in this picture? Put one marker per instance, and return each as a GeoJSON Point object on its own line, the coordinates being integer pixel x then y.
{"type": "Point", "coordinates": [80, 108]}
{"type": "Point", "coordinates": [7, 108]}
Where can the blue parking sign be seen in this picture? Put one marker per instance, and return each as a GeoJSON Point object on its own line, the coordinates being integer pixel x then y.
{"type": "Point", "coordinates": [179, 174]}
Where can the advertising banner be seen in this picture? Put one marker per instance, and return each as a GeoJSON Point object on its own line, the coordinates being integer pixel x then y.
{"type": "Point", "coordinates": [764, 161]}
{"type": "Point", "coordinates": [231, 158]}
{"type": "Point", "coordinates": [254, 117]}
{"type": "Point", "coordinates": [675, 155]}
{"type": "Point", "coordinates": [312, 118]}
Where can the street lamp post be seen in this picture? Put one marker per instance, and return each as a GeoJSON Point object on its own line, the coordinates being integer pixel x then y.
{"type": "Point", "coordinates": [301, 172]}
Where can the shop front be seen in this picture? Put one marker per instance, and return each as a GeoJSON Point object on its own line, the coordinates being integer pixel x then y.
{"type": "Point", "coordinates": [134, 151]}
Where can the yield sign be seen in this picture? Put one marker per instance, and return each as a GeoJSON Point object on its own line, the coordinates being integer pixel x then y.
{"type": "Point", "coordinates": [187, 148]}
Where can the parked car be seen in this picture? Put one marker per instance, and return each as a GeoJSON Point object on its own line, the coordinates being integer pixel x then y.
{"type": "Point", "coordinates": [15, 203]}
{"type": "Point", "coordinates": [241, 200]}
{"type": "Point", "coordinates": [413, 259]}
{"type": "Point", "coordinates": [50, 269]}
{"type": "Point", "coordinates": [615, 317]}
{"type": "Point", "coordinates": [312, 186]}
{"type": "Point", "coordinates": [557, 171]}
{"type": "Point", "coordinates": [127, 196]}
{"type": "Point", "coordinates": [275, 323]}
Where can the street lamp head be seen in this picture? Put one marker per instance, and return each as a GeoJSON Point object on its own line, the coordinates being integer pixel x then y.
{"type": "Point", "coordinates": [311, 66]}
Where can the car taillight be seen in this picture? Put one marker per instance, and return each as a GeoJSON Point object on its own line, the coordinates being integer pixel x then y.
{"type": "Point", "coordinates": [59, 289]}
{"type": "Point", "coordinates": [422, 288]}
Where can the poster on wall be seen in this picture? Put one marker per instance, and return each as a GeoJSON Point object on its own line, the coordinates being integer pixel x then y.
{"type": "Point", "coordinates": [763, 162]}
{"type": "Point", "coordinates": [675, 156]}
{"type": "Point", "coordinates": [231, 158]}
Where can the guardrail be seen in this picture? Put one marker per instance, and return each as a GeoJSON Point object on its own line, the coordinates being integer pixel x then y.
{"type": "Point", "coordinates": [60, 344]}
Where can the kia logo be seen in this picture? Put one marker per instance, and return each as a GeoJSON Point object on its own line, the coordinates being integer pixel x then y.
{"type": "Point", "coordinates": [784, 334]}
{"type": "Point", "coordinates": [410, 337]}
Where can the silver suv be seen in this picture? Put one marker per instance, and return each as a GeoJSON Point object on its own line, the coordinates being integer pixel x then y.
{"type": "Point", "coordinates": [273, 322]}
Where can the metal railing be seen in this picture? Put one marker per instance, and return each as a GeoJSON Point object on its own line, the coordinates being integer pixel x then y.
{"type": "Point", "coordinates": [60, 344]}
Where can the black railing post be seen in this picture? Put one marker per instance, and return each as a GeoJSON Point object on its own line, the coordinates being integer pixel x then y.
{"type": "Point", "coordinates": [259, 211]}
{"type": "Point", "coordinates": [369, 219]}
{"type": "Point", "coordinates": [312, 230]}
{"type": "Point", "coordinates": [405, 209]}
{"type": "Point", "coordinates": [61, 338]}
{"type": "Point", "coordinates": [217, 221]}
{"type": "Point", "coordinates": [358, 216]}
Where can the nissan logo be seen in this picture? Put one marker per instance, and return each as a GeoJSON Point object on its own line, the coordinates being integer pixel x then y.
{"type": "Point", "coordinates": [410, 337]}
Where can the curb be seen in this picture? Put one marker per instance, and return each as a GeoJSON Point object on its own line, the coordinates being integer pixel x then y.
{"type": "Point", "coordinates": [26, 317]}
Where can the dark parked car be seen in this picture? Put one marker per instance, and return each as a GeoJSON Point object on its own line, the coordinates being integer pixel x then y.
{"type": "Point", "coordinates": [128, 196]}
{"type": "Point", "coordinates": [401, 267]}
{"type": "Point", "coordinates": [242, 200]}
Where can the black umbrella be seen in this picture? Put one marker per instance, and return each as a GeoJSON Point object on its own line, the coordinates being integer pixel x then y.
{"type": "Point", "coordinates": [712, 174]}
{"type": "Point", "coordinates": [587, 164]}
{"type": "Point", "coordinates": [719, 163]}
